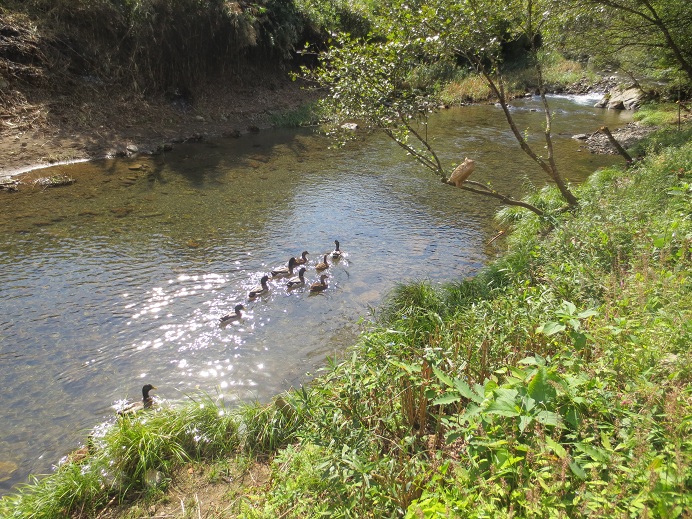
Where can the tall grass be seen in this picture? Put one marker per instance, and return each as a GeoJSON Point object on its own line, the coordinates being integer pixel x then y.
{"type": "Point", "coordinates": [558, 74]}
{"type": "Point", "coordinates": [133, 455]}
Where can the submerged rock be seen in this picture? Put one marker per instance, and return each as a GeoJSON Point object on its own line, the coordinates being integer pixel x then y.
{"type": "Point", "coordinates": [6, 469]}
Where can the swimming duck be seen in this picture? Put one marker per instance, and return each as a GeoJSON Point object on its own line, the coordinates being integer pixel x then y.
{"type": "Point", "coordinates": [134, 407]}
{"type": "Point", "coordinates": [297, 281]}
{"type": "Point", "coordinates": [303, 258]}
{"type": "Point", "coordinates": [258, 291]}
{"type": "Point", "coordinates": [320, 285]}
{"type": "Point", "coordinates": [284, 271]}
{"type": "Point", "coordinates": [323, 265]}
{"type": "Point", "coordinates": [237, 315]}
{"type": "Point", "coordinates": [336, 253]}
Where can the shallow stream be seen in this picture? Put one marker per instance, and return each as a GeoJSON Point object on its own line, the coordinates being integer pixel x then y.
{"type": "Point", "coordinates": [120, 278]}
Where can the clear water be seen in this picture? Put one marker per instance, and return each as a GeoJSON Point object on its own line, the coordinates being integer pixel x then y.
{"type": "Point", "coordinates": [120, 279]}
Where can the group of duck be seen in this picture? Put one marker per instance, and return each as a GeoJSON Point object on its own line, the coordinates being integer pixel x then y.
{"type": "Point", "coordinates": [280, 272]}
{"type": "Point", "coordinates": [293, 281]}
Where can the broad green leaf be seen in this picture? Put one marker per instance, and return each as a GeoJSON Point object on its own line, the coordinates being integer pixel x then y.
{"type": "Point", "coordinates": [577, 470]}
{"type": "Point", "coordinates": [605, 441]}
{"type": "Point", "coordinates": [443, 377]}
{"type": "Point", "coordinates": [593, 452]}
{"type": "Point", "coordinates": [449, 398]}
{"type": "Point", "coordinates": [540, 389]}
{"type": "Point", "coordinates": [569, 307]}
{"type": "Point", "coordinates": [551, 328]}
{"type": "Point", "coordinates": [467, 392]}
{"type": "Point", "coordinates": [504, 403]}
{"type": "Point", "coordinates": [528, 403]}
{"type": "Point", "coordinates": [548, 418]}
{"type": "Point", "coordinates": [587, 313]}
{"type": "Point", "coordinates": [532, 361]}
{"type": "Point", "coordinates": [558, 449]}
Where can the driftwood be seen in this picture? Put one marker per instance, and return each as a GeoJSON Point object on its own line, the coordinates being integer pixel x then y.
{"type": "Point", "coordinates": [604, 130]}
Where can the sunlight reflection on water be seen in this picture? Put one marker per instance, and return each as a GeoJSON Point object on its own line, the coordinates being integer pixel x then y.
{"type": "Point", "coordinates": [108, 284]}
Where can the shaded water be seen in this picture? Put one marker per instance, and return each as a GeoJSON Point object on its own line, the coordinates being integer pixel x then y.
{"type": "Point", "coordinates": [120, 278]}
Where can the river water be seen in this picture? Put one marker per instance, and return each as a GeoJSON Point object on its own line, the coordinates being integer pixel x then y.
{"type": "Point", "coordinates": [120, 278]}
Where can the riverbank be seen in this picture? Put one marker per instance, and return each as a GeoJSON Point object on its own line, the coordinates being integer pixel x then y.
{"type": "Point", "coordinates": [98, 123]}
{"type": "Point", "coordinates": [532, 389]}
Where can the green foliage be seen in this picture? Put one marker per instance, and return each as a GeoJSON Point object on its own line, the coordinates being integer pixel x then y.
{"type": "Point", "coordinates": [168, 46]}
{"type": "Point", "coordinates": [378, 80]}
{"type": "Point", "coordinates": [645, 39]}
{"type": "Point", "coordinates": [337, 16]}
{"type": "Point", "coordinates": [306, 115]}
{"type": "Point", "coordinates": [134, 454]}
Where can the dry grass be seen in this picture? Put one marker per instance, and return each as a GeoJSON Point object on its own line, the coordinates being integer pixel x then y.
{"type": "Point", "coordinates": [472, 89]}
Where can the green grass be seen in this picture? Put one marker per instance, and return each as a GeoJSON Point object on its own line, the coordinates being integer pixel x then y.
{"type": "Point", "coordinates": [558, 73]}
{"type": "Point", "coordinates": [658, 114]}
{"type": "Point", "coordinates": [555, 383]}
{"type": "Point", "coordinates": [306, 115]}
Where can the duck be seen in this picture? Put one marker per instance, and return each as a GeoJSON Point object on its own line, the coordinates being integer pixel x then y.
{"type": "Point", "coordinates": [297, 281]}
{"type": "Point", "coordinates": [320, 285]}
{"type": "Point", "coordinates": [336, 253]}
{"type": "Point", "coordinates": [323, 265]}
{"type": "Point", "coordinates": [134, 407]}
{"type": "Point", "coordinates": [284, 271]}
{"type": "Point", "coordinates": [80, 454]}
{"type": "Point", "coordinates": [303, 258]}
{"type": "Point", "coordinates": [237, 315]}
{"type": "Point", "coordinates": [258, 291]}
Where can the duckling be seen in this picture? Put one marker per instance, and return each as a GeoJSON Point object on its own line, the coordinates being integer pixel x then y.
{"type": "Point", "coordinates": [82, 453]}
{"type": "Point", "coordinates": [336, 253]}
{"type": "Point", "coordinates": [323, 265]}
{"type": "Point", "coordinates": [237, 315]}
{"type": "Point", "coordinates": [134, 407]}
{"type": "Point", "coordinates": [297, 281]}
{"type": "Point", "coordinates": [258, 291]}
{"type": "Point", "coordinates": [284, 271]}
{"type": "Point", "coordinates": [320, 285]}
{"type": "Point", "coordinates": [303, 258]}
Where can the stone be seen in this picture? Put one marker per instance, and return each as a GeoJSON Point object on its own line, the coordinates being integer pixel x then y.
{"type": "Point", "coordinates": [622, 98]}
{"type": "Point", "coordinates": [349, 126]}
{"type": "Point", "coordinates": [235, 134]}
{"type": "Point", "coordinates": [6, 469]}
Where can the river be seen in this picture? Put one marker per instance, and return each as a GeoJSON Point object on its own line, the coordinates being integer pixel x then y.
{"type": "Point", "coordinates": [120, 278]}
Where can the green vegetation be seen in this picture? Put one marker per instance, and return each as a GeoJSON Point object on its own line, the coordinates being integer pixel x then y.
{"type": "Point", "coordinates": [377, 80]}
{"type": "Point", "coordinates": [559, 73]}
{"type": "Point", "coordinates": [555, 383]}
{"type": "Point", "coordinates": [644, 39]}
{"type": "Point", "coordinates": [306, 115]}
{"type": "Point", "coordinates": [153, 46]}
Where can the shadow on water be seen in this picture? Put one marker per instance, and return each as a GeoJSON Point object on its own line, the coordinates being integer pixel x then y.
{"type": "Point", "coordinates": [121, 277]}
